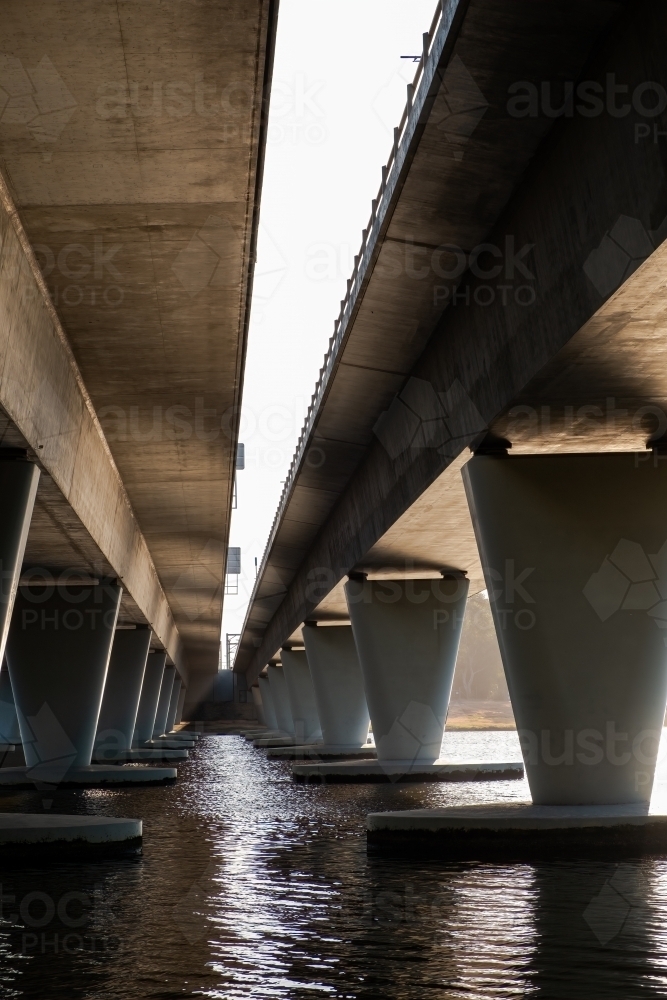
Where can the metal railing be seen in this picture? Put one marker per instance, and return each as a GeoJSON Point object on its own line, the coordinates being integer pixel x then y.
{"type": "Point", "coordinates": [432, 44]}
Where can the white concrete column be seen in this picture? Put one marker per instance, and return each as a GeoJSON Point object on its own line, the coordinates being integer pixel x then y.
{"type": "Point", "coordinates": [301, 694]}
{"type": "Point", "coordinates": [150, 694]}
{"type": "Point", "coordinates": [574, 548]}
{"type": "Point", "coordinates": [407, 635]}
{"type": "Point", "coordinates": [162, 711]}
{"type": "Point", "coordinates": [267, 703]}
{"type": "Point", "coordinates": [173, 703]}
{"type": "Point", "coordinates": [9, 723]}
{"type": "Point", "coordinates": [338, 683]}
{"type": "Point", "coordinates": [58, 653]}
{"type": "Point", "coordinates": [280, 699]}
{"type": "Point", "coordinates": [259, 707]}
{"type": "Point", "coordinates": [122, 690]}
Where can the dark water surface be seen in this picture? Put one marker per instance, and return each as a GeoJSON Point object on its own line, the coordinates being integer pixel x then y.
{"type": "Point", "coordinates": [251, 886]}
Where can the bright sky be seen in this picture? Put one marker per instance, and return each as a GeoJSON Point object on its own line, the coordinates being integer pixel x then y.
{"type": "Point", "coordinates": [339, 88]}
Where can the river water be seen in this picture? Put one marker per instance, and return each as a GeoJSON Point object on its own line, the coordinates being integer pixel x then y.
{"type": "Point", "coordinates": [252, 886]}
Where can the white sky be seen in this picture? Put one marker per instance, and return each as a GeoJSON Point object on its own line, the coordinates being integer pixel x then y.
{"type": "Point", "coordinates": [339, 88]}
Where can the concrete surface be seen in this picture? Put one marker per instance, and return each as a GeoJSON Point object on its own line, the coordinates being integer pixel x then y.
{"type": "Point", "coordinates": [521, 829]}
{"type": "Point", "coordinates": [93, 776]}
{"type": "Point", "coordinates": [36, 830]}
{"type": "Point", "coordinates": [402, 771]}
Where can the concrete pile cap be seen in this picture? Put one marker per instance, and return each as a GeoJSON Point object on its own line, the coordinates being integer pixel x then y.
{"type": "Point", "coordinates": [25, 828]}
{"type": "Point", "coordinates": [515, 816]}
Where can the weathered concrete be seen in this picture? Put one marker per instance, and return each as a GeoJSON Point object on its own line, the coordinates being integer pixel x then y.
{"type": "Point", "coordinates": [106, 755]}
{"type": "Point", "coordinates": [384, 771]}
{"type": "Point", "coordinates": [92, 776]}
{"type": "Point", "coordinates": [323, 751]}
{"type": "Point", "coordinates": [520, 830]}
{"type": "Point", "coordinates": [36, 831]}
{"type": "Point", "coordinates": [144, 222]}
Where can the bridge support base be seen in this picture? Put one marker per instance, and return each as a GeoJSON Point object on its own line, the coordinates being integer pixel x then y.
{"type": "Point", "coordinates": [407, 636]}
{"type": "Point", "coordinates": [338, 684]}
{"type": "Point", "coordinates": [574, 549]}
{"type": "Point", "coordinates": [301, 696]}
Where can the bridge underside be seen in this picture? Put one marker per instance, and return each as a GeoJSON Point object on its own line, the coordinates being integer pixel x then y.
{"type": "Point", "coordinates": [131, 139]}
{"type": "Point", "coordinates": [553, 336]}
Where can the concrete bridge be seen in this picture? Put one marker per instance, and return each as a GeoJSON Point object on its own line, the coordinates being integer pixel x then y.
{"type": "Point", "coordinates": [132, 139]}
{"type": "Point", "coordinates": [508, 293]}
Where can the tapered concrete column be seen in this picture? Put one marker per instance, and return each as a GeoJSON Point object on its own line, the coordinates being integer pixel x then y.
{"type": "Point", "coordinates": [173, 703]}
{"type": "Point", "coordinates": [18, 488]}
{"type": "Point", "coordinates": [58, 653]}
{"type": "Point", "coordinates": [259, 707]}
{"type": "Point", "coordinates": [301, 694]}
{"type": "Point", "coordinates": [181, 703]}
{"type": "Point", "coordinates": [122, 690]}
{"type": "Point", "coordinates": [280, 699]}
{"type": "Point", "coordinates": [162, 712]}
{"type": "Point", "coordinates": [9, 723]}
{"type": "Point", "coordinates": [407, 635]}
{"type": "Point", "coordinates": [267, 703]}
{"type": "Point", "coordinates": [150, 694]}
{"type": "Point", "coordinates": [338, 683]}
{"type": "Point", "coordinates": [574, 548]}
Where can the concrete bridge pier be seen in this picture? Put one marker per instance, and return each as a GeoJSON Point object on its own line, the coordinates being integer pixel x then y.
{"type": "Point", "coordinates": [58, 652]}
{"type": "Point", "coordinates": [164, 700]}
{"type": "Point", "coordinates": [407, 636]}
{"type": "Point", "coordinates": [149, 704]}
{"type": "Point", "coordinates": [339, 695]}
{"type": "Point", "coordinates": [574, 549]}
{"type": "Point", "coordinates": [10, 734]}
{"type": "Point", "coordinates": [270, 728]}
{"type": "Point", "coordinates": [301, 694]}
{"type": "Point", "coordinates": [257, 702]}
{"type": "Point", "coordinates": [179, 737]}
{"type": "Point", "coordinates": [283, 712]}
{"type": "Point", "coordinates": [120, 704]}
{"type": "Point", "coordinates": [173, 704]}
{"type": "Point", "coordinates": [267, 703]}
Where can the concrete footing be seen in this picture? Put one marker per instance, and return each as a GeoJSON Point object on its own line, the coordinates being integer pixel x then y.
{"type": "Point", "coordinates": [85, 777]}
{"type": "Point", "coordinates": [403, 771]}
{"type": "Point", "coordinates": [34, 834]}
{"type": "Point", "coordinates": [129, 756]}
{"type": "Point", "coordinates": [521, 830]}
{"type": "Point", "coordinates": [322, 751]}
{"type": "Point", "coordinates": [164, 744]}
{"type": "Point", "coordinates": [275, 741]}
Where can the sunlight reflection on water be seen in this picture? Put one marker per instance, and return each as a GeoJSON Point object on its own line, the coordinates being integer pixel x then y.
{"type": "Point", "coordinates": [253, 887]}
